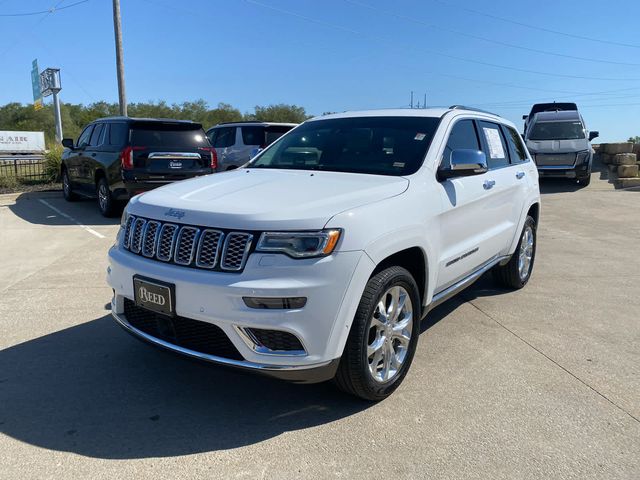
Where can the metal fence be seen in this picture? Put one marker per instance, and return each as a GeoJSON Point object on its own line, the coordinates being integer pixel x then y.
{"type": "Point", "coordinates": [24, 167]}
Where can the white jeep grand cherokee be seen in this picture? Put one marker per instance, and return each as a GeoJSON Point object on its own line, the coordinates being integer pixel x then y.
{"type": "Point", "coordinates": [320, 257]}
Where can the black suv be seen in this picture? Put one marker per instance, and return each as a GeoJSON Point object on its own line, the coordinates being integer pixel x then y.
{"type": "Point", "coordinates": [118, 157]}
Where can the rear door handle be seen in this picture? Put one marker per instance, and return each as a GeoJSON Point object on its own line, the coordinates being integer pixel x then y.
{"type": "Point", "coordinates": [519, 175]}
{"type": "Point", "coordinates": [488, 184]}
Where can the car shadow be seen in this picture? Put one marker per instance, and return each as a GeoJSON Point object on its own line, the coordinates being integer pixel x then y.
{"type": "Point", "coordinates": [95, 391]}
{"type": "Point", "coordinates": [558, 185]}
{"type": "Point", "coordinates": [48, 208]}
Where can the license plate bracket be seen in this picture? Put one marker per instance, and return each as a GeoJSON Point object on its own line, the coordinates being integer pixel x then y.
{"type": "Point", "coordinates": [155, 295]}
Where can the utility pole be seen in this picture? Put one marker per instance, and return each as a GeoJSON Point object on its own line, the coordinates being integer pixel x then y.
{"type": "Point", "coordinates": [117, 29]}
{"type": "Point", "coordinates": [424, 104]}
{"type": "Point", "coordinates": [411, 98]}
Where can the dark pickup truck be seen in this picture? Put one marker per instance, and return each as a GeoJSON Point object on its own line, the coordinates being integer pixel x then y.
{"type": "Point", "coordinates": [118, 157]}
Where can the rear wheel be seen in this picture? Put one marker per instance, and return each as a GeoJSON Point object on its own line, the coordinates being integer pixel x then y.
{"type": "Point", "coordinates": [67, 189]}
{"type": "Point", "coordinates": [106, 203]}
{"type": "Point", "coordinates": [383, 336]}
{"type": "Point", "coordinates": [516, 273]}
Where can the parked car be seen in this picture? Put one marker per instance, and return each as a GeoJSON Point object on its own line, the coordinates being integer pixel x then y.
{"type": "Point", "coordinates": [560, 145]}
{"type": "Point", "coordinates": [237, 142]}
{"type": "Point", "coordinates": [118, 157]}
{"type": "Point", "coordinates": [320, 258]}
{"type": "Point", "coordinates": [546, 107]}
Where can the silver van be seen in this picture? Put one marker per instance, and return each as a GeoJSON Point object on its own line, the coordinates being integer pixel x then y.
{"type": "Point", "coordinates": [560, 145]}
{"type": "Point", "coordinates": [237, 142]}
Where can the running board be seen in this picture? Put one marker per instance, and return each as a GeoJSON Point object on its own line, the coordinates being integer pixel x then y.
{"type": "Point", "coordinates": [460, 285]}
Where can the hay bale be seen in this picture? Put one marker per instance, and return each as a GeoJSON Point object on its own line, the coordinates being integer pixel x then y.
{"type": "Point", "coordinates": [624, 159]}
{"type": "Point", "coordinates": [615, 148]}
{"type": "Point", "coordinates": [627, 171]}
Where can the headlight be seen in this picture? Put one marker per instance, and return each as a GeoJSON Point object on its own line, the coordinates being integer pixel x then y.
{"type": "Point", "coordinates": [300, 244]}
{"type": "Point", "coordinates": [124, 218]}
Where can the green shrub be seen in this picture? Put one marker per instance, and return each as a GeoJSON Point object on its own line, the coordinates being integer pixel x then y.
{"type": "Point", "coordinates": [53, 163]}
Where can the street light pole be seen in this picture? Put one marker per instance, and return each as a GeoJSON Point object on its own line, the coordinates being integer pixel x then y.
{"type": "Point", "coordinates": [117, 29]}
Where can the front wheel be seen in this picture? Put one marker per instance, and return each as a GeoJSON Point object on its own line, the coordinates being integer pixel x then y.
{"type": "Point", "coordinates": [67, 189]}
{"type": "Point", "coordinates": [516, 273]}
{"type": "Point", "coordinates": [383, 337]}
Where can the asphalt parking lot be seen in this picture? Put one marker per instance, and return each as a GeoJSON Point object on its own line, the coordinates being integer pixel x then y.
{"type": "Point", "coordinates": [539, 383]}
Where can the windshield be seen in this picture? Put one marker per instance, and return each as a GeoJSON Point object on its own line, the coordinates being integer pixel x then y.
{"type": "Point", "coordinates": [557, 131]}
{"type": "Point", "coordinates": [375, 145]}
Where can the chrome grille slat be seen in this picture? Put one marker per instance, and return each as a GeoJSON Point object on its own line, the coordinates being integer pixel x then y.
{"type": "Point", "coordinates": [186, 245]}
{"type": "Point", "coordinates": [136, 236]}
{"type": "Point", "coordinates": [127, 231]}
{"type": "Point", "coordinates": [235, 251]}
{"type": "Point", "coordinates": [209, 248]}
{"type": "Point", "coordinates": [150, 238]}
{"type": "Point", "coordinates": [166, 242]}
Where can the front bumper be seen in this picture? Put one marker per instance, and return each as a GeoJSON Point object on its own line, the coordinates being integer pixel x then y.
{"type": "Point", "coordinates": [216, 298]}
{"type": "Point", "coordinates": [564, 171]}
{"type": "Point", "coordinates": [136, 182]}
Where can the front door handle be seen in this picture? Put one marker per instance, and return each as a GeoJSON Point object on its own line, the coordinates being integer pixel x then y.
{"type": "Point", "coordinates": [519, 175]}
{"type": "Point", "coordinates": [488, 184]}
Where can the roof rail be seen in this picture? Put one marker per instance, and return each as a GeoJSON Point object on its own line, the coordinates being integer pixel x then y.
{"type": "Point", "coordinates": [473, 109]}
{"type": "Point", "coordinates": [241, 121]}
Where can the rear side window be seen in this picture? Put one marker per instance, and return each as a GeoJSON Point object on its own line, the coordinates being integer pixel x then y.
{"type": "Point", "coordinates": [495, 145]}
{"type": "Point", "coordinates": [169, 135]}
{"type": "Point", "coordinates": [516, 147]}
{"type": "Point", "coordinates": [95, 136]}
{"type": "Point", "coordinates": [254, 135]}
{"type": "Point", "coordinates": [463, 136]}
{"type": "Point", "coordinates": [118, 134]}
{"type": "Point", "coordinates": [225, 137]}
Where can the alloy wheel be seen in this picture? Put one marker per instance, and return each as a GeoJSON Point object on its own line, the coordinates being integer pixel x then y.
{"type": "Point", "coordinates": [525, 256]}
{"type": "Point", "coordinates": [390, 334]}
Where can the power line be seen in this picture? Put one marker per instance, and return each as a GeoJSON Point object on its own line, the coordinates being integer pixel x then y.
{"type": "Point", "coordinates": [535, 27]}
{"type": "Point", "coordinates": [489, 40]}
{"type": "Point", "coordinates": [434, 52]}
{"type": "Point", "coordinates": [42, 12]}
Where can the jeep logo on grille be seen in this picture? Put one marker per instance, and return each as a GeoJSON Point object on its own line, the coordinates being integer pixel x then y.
{"type": "Point", "coordinates": [174, 213]}
{"type": "Point", "coordinates": [150, 297]}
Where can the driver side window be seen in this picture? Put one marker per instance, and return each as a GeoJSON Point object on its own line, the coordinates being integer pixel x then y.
{"type": "Point", "coordinates": [463, 136]}
{"type": "Point", "coordinates": [83, 140]}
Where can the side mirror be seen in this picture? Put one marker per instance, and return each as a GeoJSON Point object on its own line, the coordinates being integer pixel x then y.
{"type": "Point", "coordinates": [524, 117]}
{"type": "Point", "coordinates": [593, 135]}
{"type": "Point", "coordinates": [464, 163]}
{"type": "Point", "coordinates": [68, 143]}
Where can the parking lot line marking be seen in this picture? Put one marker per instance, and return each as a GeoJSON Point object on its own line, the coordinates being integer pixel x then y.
{"type": "Point", "coordinates": [70, 218]}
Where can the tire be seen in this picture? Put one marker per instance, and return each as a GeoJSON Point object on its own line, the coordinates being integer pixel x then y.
{"type": "Point", "coordinates": [106, 203]}
{"type": "Point", "coordinates": [511, 275]}
{"type": "Point", "coordinates": [584, 181]}
{"type": "Point", "coordinates": [354, 375]}
{"type": "Point", "coordinates": [67, 189]}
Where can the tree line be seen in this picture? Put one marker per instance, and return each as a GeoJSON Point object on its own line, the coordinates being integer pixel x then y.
{"type": "Point", "coordinates": [17, 116]}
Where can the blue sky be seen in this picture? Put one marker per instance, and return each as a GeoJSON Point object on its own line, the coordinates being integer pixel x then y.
{"type": "Point", "coordinates": [335, 55]}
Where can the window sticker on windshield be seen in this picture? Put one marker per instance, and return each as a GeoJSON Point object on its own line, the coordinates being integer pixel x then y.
{"type": "Point", "coordinates": [398, 164]}
{"type": "Point", "coordinates": [419, 136]}
{"type": "Point", "coordinates": [496, 150]}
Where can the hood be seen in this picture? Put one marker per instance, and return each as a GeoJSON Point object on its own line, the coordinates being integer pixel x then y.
{"type": "Point", "coordinates": [259, 199]}
{"type": "Point", "coordinates": [558, 146]}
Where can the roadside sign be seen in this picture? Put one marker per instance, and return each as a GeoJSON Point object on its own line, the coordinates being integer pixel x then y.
{"type": "Point", "coordinates": [50, 81]}
{"type": "Point", "coordinates": [35, 85]}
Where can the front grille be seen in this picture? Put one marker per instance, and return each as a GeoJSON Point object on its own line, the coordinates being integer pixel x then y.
{"type": "Point", "coordinates": [187, 245]}
{"type": "Point", "coordinates": [183, 332]}
{"type": "Point", "coordinates": [276, 340]}
{"type": "Point", "coordinates": [555, 159]}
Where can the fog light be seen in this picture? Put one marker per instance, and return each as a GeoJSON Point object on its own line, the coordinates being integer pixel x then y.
{"type": "Point", "coordinates": [288, 303]}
